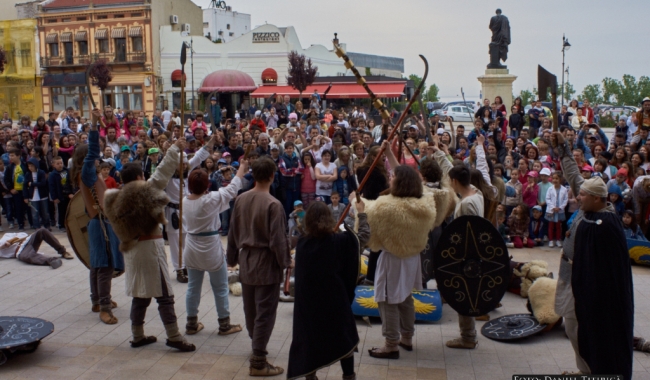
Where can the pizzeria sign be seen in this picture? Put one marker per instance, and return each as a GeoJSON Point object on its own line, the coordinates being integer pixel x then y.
{"type": "Point", "coordinates": [273, 37]}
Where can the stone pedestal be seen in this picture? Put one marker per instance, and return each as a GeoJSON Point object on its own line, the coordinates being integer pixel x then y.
{"type": "Point", "coordinates": [498, 82]}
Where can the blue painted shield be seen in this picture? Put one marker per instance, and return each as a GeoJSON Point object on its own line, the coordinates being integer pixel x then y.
{"type": "Point", "coordinates": [639, 251]}
{"type": "Point", "coordinates": [428, 305]}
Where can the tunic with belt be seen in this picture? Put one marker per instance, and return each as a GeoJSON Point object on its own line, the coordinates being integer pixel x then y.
{"type": "Point", "coordinates": [203, 250]}
{"type": "Point", "coordinates": [257, 240]}
{"type": "Point", "coordinates": [146, 263]}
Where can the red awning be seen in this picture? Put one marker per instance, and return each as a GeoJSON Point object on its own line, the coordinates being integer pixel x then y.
{"type": "Point", "coordinates": [355, 91]}
{"type": "Point", "coordinates": [228, 81]}
{"type": "Point", "coordinates": [266, 91]}
{"type": "Point", "coordinates": [176, 75]}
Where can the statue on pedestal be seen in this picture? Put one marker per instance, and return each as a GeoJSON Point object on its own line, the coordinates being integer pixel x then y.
{"type": "Point", "coordinates": [500, 27]}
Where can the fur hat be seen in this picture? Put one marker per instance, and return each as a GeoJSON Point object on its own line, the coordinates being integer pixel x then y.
{"type": "Point", "coordinates": [136, 210]}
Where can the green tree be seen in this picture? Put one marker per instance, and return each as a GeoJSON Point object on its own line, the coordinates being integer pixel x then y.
{"type": "Point", "coordinates": [527, 96]}
{"type": "Point", "coordinates": [432, 93]}
{"type": "Point", "coordinates": [416, 80]}
{"type": "Point", "coordinates": [569, 91]}
{"type": "Point", "coordinates": [591, 92]}
{"type": "Point", "coordinates": [611, 89]}
{"type": "Point", "coordinates": [631, 92]}
{"type": "Point", "coordinates": [368, 72]}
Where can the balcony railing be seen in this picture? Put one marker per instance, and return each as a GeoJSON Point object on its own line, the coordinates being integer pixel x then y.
{"type": "Point", "coordinates": [85, 60]}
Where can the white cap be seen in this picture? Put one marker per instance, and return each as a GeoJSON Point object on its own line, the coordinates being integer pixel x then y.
{"type": "Point", "coordinates": [545, 171]}
{"type": "Point", "coordinates": [441, 131]}
{"type": "Point", "coordinates": [258, 113]}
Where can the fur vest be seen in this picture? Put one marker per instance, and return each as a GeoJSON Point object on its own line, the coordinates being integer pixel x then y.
{"type": "Point", "coordinates": [136, 210]}
{"type": "Point", "coordinates": [401, 225]}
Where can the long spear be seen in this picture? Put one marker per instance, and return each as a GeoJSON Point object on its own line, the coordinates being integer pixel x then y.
{"type": "Point", "coordinates": [379, 105]}
{"type": "Point", "coordinates": [180, 163]}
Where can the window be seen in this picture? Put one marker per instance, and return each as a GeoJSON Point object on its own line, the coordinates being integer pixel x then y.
{"type": "Point", "coordinates": [82, 18]}
{"type": "Point", "coordinates": [103, 46]}
{"type": "Point", "coordinates": [66, 20]}
{"type": "Point", "coordinates": [26, 54]}
{"type": "Point", "coordinates": [125, 97]}
{"type": "Point", "coordinates": [228, 26]}
{"type": "Point", "coordinates": [136, 14]}
{"type": "Point", "coordinates": [83, 47]}
{"type": "Point", "coordinates": [137, 44]}
{"type": "Point", "coordinates": [102, 17]}
{"type": "Point", "coordinates": [51, 21]}
{"type": "Point", "coordinates": [118, 16]}
{"type": "Point", "coordinates": [64, 97]}
{"type": "Point", "coordinates": [10, 55]}
{"type": "Point", "coordinates": [54, 50]}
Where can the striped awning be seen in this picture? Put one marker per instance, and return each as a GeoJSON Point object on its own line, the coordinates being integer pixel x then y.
{"type": "Point", "coordinates": [52, 38]}
{"type": "Point", "coordinates": [66, 37]}
{"type": "Point", "coordinates": [101, 34]}
{"type": "Point", "coordinates": [118, 33]}
{"type": "Point", "coordinates": [135, 31]}
{"type": "Point", "coordinates": [81, 36]}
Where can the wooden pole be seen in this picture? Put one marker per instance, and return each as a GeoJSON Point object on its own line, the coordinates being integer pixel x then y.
{"type": "Point", "coordinates": [180, 161]}
{"type": "Point", "coordinates": [556, 122]}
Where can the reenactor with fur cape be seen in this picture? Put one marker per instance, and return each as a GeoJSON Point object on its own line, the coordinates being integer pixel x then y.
{"type": "Point", "coordinates": [136, 213]}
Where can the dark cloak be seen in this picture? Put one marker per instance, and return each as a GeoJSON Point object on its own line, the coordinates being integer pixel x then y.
{"type": "Point", "coordinates": [604, 299]}
{"type": "Point", "coordinates": [324, 329]}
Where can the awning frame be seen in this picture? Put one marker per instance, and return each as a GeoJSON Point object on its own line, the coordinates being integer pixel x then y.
{"type": "Point", "coordinates": [66, 37]}
{"type": "Point", "coordinates": [101, 34]}
{"type": "Point", "coordinates": [81, 35]}
{"type": "Point", "coordinates": [118, 33]}
{"type": "Point", "coordinates": [135, 31]}
{"type": "Point", "coordinates": [52, 38]}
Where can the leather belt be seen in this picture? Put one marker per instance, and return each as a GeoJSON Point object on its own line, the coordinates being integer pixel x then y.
{"type": "Point", "coordinates": [206, 233]}
{"type": "Point", "coordinates": [149, 237]}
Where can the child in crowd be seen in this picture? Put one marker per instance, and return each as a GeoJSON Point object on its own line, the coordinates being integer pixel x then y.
{"type": "Point", "coordinates": [615, 196]}
{"type": "Point", "coordinates": [631, 228]}
{"type": "Point", "coordinates": [297, 219]}
{"type": "Point", "coordinates": [556, 200]}
{"type": "Point", "coordinates": [6, 197]}
{"type": "Point", "coordinates": [345, 184]}
{"type": "Point", "coordinates": [35, 191]}
{"type": "Point", "coordinates": [537, 226]}
{"type": "Point", "coordinates": [518, 223]}
{"type": "Point", "coordinates": [544, 185]}
{"type": "Point", "coordinates": [226, 177]}
{"type": "Point", "coordinates": [308, 185]}
{"type": "Point", "coordinates": [105, 168]}
{"type": "Point", "coordinates": [512, 202]}
{"type": "Point", "coordinates": [621, 181]}
{"type": "Point", "coordinates": [60, 188]}
{"type": "Point", "coordinates": [337, 208]}
{"type": "Point", "coordinates": [531, 190]}
{"type": "Point", "coordinates": [503, 228]}
{"type": "Point", "coordinates": [586, 171]}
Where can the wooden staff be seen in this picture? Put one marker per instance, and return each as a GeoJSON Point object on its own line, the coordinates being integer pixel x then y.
{"type": "Point", "coordinates": [180, 161]}
{"type": "Point", "coordinates": [382, 110]}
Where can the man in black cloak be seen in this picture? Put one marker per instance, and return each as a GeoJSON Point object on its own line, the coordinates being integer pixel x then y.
{"type": "Point", "coordinates": [327, 270]}
{"type": "Point", "coordinates": [594, 291]}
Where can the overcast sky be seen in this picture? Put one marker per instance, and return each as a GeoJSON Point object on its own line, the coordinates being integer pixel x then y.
{"type": "Point", "coordinates": [608, 38]}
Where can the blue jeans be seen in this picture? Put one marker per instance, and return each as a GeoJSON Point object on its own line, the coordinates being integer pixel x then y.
{"type": "Point", "coordinates": [219, 283]}
{"type": "Point", "coordinates": [225, 219]}
{"type": "Point", "coordinates": [40, 214]}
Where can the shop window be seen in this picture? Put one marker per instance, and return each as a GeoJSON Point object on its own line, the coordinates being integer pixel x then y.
{"type": "Point", "coordinates": [137, 44]}
{"type": "Point", "coordinates": [26, 54]}
{"type": "Point", "coordinates": [64, 97]}
{"type": "Point", "coordinates": [83, 47]}
{"type": "Point", "coordinates": [54, 50]}
{"type": "Point", "coordinates": [103, 46]}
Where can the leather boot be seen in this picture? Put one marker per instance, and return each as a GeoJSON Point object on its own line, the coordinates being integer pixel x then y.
{"type": "Point", "coordinates": [176, 340]}
{"type": "Point", "coordinates": [181, 276]}
{"type": "Point", "coordinates": [193, 325]}
{"type": "Point", "coordinates": [260, 367]}
{"type": "Point", "coordinates": [139, 339]}
{"type": "Point", "coordinates": [225, 328]}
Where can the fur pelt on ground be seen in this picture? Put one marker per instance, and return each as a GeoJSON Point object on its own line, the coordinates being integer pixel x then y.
{"type": "Point", "coordinates": [136, 210]}
{"type": "Point", "coordinates": [233, 281]}
{"type": "Point", "coordinates": [542, 300]}
{"type": "Point", "coordinates": [529, 272]}
{"type": "Point", "coordinates": [401, 225]}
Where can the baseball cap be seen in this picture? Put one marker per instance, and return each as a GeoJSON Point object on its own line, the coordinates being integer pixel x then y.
{"type": "Point", "coordinates": [225, 154]}
{"type": "Point", "coordinates": [235, 164]}
{"type": "Point", "coordinates": [533, 174]}
{"type": "Point", "coordinates": [413, 126]}
{"type": "Point", "coordinates": [537, 207]}
{"type": "Point", "coordinates": [432, 114]}
{"type": "Point", "coordinates": [190, 138]}
{"type": "Point", "coordinates": [213, 98]}
{"type": "Point", "coordinates": [296, 203]}
{"type": "Point", "coordinates": [622, 171]}
{"type": "Point", "coordinates": [440, 131]}
{"type": "Point", "coordinates": [587, 168]}
{"type": "Point", "coordinates": [222, 161]}
{"type": "Point", "coordinates": [293, 115]}
{"type": "Point", "coordinates": [545, 171]}
{"type": "Point", "coordinates": [125, 148]}
{"type": "Point", "coordinates": [154, 150]}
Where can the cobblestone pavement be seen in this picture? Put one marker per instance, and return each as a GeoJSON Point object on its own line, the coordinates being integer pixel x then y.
{"type": "Point", "coordinates": [82, 347]}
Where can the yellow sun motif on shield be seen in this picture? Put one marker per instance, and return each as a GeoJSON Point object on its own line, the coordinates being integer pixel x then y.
{"type": "Point", "coordinates": [485, 237]}
{"type": "Point", "coordinates": [455, 238]}
{"type": "Point", "coordinates": [367, 302]}
{"type": "Point", "coordinates": [420, 307]}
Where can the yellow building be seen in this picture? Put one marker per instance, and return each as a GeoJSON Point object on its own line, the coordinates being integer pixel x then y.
{"type": "Point", "coordinates": [20, 83]}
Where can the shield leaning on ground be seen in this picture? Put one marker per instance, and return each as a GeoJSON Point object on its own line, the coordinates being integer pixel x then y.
{"type": "Point", "coordinates": [472, 266]}
{"type": "Point", "coordinates": [76, 226]}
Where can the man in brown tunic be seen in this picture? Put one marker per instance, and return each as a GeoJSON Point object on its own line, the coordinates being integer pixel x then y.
{"type": "Point", "coordinates": [258, 243]}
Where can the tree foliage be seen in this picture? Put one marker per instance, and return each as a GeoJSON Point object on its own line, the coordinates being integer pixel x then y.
{"type": "Point", "coordinates": [301, 72]}
{"type": "Point", "coordinates": [591, 92]}
{"type": "Point", "coordinates": [628, 91]}
{"type": "Point", "coordinates": [432, 93]}
{"type": "Point", "coordinates": [527, 96]}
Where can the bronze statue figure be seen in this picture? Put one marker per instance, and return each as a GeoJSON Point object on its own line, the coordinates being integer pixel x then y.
{"type": "Point", "coordinates": [500, 27]}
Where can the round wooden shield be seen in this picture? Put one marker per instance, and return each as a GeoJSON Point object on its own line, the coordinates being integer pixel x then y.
{"type": "Point", "coordinates": [22, 331]}
{"type": "Point", "coordinates": [76, 227]}
{"type": "Point", "coordinates": [512, 327]}
{"type": "Point", "coordinates": [472, 266]}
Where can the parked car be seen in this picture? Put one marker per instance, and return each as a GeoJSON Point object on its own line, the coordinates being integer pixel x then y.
{"type": "Point", "coordinates": [436, 105]}
{"type": "Point", "coordinates": [457, 113]}
{"type": "Point", "coordinates": [467, 103]}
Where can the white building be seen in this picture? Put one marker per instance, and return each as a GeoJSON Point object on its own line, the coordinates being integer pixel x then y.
{"type": "Point", "coordinates": [225, 25]}
{"type": "Point", "coordinates": [234, 69]}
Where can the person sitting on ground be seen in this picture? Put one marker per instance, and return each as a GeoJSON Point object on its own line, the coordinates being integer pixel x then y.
{"type": "Point", "coordinates": [25, 248]}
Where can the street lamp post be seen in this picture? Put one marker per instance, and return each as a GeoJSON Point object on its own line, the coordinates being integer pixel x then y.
{"type": "Point", "coordinates": [565, 46]}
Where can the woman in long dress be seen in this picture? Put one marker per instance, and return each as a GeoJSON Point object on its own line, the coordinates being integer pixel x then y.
{"type": "Point", "coordinates": [203, 250]}
{"type": "Point", "coordinates": [327, 268]}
